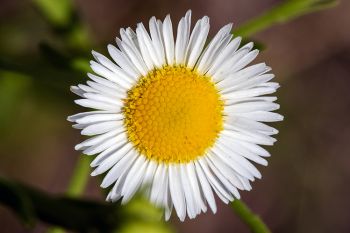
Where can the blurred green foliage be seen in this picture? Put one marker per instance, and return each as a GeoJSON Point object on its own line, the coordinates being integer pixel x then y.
{"type": "Point", "coordinates": [61, 59]}
{"type": "Point", "coordinates": [13, 86]}
{"type": "Point", "coordinates": [282, 13]}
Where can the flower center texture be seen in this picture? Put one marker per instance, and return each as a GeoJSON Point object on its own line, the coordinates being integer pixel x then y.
{"type": "Point", "coordinates": [173, 115]}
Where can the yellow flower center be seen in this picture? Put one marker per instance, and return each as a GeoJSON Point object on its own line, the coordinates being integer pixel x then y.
{"type": "Point", "coordinates": [173, 115]}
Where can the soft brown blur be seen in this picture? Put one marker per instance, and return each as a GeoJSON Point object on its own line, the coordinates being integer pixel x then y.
{"type": "Point", "coordinates": [304, 189]}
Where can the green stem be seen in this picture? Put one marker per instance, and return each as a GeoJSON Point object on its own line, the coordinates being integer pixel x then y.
{"type": "Point", "coordinates": [77, 184]}
{"type": "Point", "coordinates": [80, 177]}
{"type": "Point", "coordinates": [282, 13]}
{"type": "Point", "coordinates": [253, 221]}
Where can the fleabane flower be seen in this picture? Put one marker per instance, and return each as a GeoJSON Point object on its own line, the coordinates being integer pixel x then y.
{"type": "Point", "coordinates": [181, 118]}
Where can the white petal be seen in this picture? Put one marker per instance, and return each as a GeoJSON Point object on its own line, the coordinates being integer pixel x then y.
{"type": "Point", "coordinates": [120, 162]}
{"type": "Point", "coordinates": [205, 187]}
{"type": "Point", "coordinates": [192, 176]}
{"type": "Point", "coordinates": [143, 47]}
{"type": "Point", "coordinates": [197, 41]}
{"type": "Point", "coordinates": [220, 40]}
{"type": "Point", "coordinates": [118, 78]}
{"type": "Point", "coordinates": [97, 105]}
{"type": "Point", "coordinates": [182, 38]}
{"type": "Point", "coordinates": [123, 61]}
{"type": "Point", "coordinates": [225, 55]}
{"type": "Point", "coordinates": [146, 40]}
{"type": "Point", "coordinates": [100, 128]}
{"type": "Point", "coordinates": [220, 190]}
{"type": "Point", "coordinates": [168, 38]}
{"type": "Point", "coordinates": [221, 177]}
{"type": "Point", "coordinates": [97, 139]}
{"type": "Point", "coordinates": [157, 40]}
{"type": "Point", "coordinates": [249, 93]}
{"type": "Point", "coordinates": [134, 178]}
{"type": "Point", "coordinates": [251, 106]}
{"type": "Point", "coordinates": [107, 91]}
{"type": "Point", "coordinates": [109, 160]}
{"type": "Point", "coordinates": [176, 191]}
{"type": "Point", "coordinates": [262, 116]}
{"type": "Point", "coordinates": [134, 56]}
{"type": "Point", "coordinates": [190, 201]}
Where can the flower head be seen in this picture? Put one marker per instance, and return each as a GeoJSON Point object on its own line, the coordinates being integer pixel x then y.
{"type": "Point", "coordinates": [176, 117]}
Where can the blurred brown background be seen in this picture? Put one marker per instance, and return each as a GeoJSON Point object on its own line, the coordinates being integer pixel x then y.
{"type": "Point", "coordinates": [304, 189]}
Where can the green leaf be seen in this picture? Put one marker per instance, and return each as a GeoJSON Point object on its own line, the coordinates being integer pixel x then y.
{"type": "Point", "coordinates": [13, 89]}
{"type": "Point", "coordinates": [58, 12]}
{"type": "Point", "coordinates": [78, 214]}
{"type": "Point", "coordinates": [71, 213]}
{"type": "Point", "coordinates": [14, 197]}
{"type": "Point", "coordinates": [282, 13]}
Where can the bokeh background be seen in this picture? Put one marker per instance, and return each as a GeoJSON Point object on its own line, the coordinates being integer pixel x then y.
{"type": "Point", "coordinates": [304, 189]}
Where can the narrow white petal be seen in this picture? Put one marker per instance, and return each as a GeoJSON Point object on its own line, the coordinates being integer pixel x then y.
{"type": "Point", "coordinates": [190, 199]}
{"type": "Point", "coordinates": [251, 106]}
{"type": "Point", "coordinates": [93, 118]}
{"type": "Point", "coordinates": [182, 38]}
{"type": "Point", "coordinates": [76, 90]}
{"type": "Point", "coordinates": [101, 128]}
{"type": "Point", "coordinates": [176, 191]}
{"type": "Point", "coordinates": [143, 47]}
{"type": "Point", "coordinates": [257, 138]}
{"type": "Point", "coordinates": [168, 38]}
{"type": "Point", "coordinates": [77, 116]}
{"type": "Point", "coordinates": [120, 162]}
{"type": "Point", "coordinates": [157, 40]}
{"type": "Point", "coordinates": [134, 178]}
{"type": "Point", "coordinates": [134, 56]}
{"type": "Point", "coordinates": [246, 59]}
{"type": "Point", "coordinates": [255, 148]}
{"type": "Point", "coordinates": [232, 79]}
{"type": "Point", "coordinates": [220, 190]}
{"type": "Point", "coordinates": [97, 105]}
{"type": "Point", "coordinates": [220, 40]}
{"type": "Point", "coordinates": [192, 176]}
{"type": "Point", "coordinates": [226, 54]}
{"type": "Point", "coordinates": [119, 78]}
{"type": "Point", "coordinates": [100, 159]}
{"type": "Point", "coordinates": [197, 41]}
{"type": "Point", "coordinates": [250, 125]}
{"type": "Point", "coordinates": [149, 175]}
{"type": "Point", "coordinates": [123, 61]}
{"type": "Point", "coordinates": [262, 116]}
{"type": "Point", "coordinates": [110, 161]}
{"type": "Point", "coordinates": [221, 177]}
{"type": "Point", "coordinates": [234, 162]}
{"type": "Point", "coordinates": [147, 42]}
{"type": "Point", "coordinates": [103, 60]}
{"type": "Point", "coordinates": [107, 91]}
{"type": "Point", "coordinates": [96, 140]}
{"type": "Point", "coordinates": [205, 187]}
{"type": "Point", "coordinates": [226, 170]}
{"type": "Point", "coordinates": [100, 147]}
{"type": "Point", "coordinates": [103, 99]}
{"type": "Point", "coordinates": [242, 165]}
{"type": "Point", "coordinates": [106, 83]}
{"type": "Point", "coordinates": [249, 93]}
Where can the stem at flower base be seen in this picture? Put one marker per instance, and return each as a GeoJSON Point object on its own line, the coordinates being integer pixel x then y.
{"type": "Point", "coordinates": [253, 221]}
{"type": "Point", "coordinates": [76, 184]}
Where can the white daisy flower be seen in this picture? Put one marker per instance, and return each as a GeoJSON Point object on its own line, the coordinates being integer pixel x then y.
{"type": "Point", "coordinates": [176, 117]}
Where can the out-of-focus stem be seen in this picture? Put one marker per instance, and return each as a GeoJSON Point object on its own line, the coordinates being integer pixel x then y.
{"type": "Point", "coordinates": [282, 13]}
{"type": "Point", "coordinates": [253, 221]}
